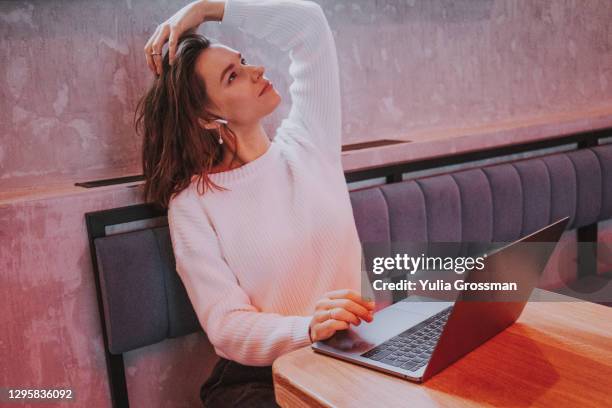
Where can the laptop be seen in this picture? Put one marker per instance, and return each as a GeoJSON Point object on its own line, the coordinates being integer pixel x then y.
{"type": "Point", "coordinates": [416, 338]}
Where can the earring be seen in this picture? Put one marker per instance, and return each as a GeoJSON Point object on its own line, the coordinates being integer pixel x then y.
{"type": "Point", "coordinates": [223, 122]}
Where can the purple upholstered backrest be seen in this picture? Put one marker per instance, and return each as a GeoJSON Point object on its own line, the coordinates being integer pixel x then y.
{"type": "Point", "coordinates": [497, 203]}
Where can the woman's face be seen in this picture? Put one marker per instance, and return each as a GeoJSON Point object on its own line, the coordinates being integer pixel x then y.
{"type": "Point", "coordinates": [234, 87]}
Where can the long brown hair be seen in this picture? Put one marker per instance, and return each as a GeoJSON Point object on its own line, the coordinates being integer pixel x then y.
{"type": "Point", "coordinates": [175, 147]}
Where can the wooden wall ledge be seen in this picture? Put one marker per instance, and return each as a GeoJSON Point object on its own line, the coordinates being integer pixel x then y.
{"type": "Point", "coordinates": [416, 145]}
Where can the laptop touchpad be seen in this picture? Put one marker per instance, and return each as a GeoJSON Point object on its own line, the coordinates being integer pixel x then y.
{"type": "Point", "coordinates": [386, 324]}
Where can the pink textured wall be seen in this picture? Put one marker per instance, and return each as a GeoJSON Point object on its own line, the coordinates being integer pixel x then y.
{"type": "Point", "coordinates": [73, 70]}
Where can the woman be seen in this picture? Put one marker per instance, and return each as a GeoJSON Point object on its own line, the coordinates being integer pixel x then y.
{"type": "Point", "coordinates": [268, 251]}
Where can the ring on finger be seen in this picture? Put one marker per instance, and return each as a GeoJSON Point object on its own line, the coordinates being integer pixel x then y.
{"type": "Point", "coordinates": [330, 314]}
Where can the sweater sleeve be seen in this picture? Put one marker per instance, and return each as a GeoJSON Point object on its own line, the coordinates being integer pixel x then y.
{"type": "Point", "coordinates": [237, 329]}
{"type": "Point", "coordinates": [301, 28]}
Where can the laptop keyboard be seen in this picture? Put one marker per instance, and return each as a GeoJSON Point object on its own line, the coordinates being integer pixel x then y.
{"type": "Point", "coordinates": [412, 348]}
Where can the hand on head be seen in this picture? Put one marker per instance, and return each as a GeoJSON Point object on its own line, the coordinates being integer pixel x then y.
{"type": "Point", "coordinates": [184, 21]}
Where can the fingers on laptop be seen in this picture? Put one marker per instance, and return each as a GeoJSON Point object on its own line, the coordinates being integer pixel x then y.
{"type": "Point", "coordinates": [351, 295]}
{"type": "Point", "coordinates": [337, 313]}
{"type": "Point", "coordinates": [326, 329]}
{"type": "Point", "coordinates": [347, 305]}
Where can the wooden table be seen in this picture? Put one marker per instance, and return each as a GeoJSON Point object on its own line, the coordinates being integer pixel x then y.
{"type": "Point", "coordinates": [558, 354]}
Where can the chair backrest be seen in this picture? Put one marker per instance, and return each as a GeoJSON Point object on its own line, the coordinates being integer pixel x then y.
{"type": "Point", "coordinates": [144, 299]}
{"type": "Point", "coordinates": [497, 203]}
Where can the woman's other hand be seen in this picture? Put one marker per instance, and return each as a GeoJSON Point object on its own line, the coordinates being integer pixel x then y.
{"type": "Point", "coordinates": [336, 311]}
{"type": "Point", "coordinates": [186, 20]}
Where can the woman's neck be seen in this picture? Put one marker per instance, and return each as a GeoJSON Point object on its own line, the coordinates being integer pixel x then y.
{"type": "Point", "coordinates": [252, 143]}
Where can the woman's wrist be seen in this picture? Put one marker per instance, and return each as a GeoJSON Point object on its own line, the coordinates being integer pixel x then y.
{"type": "Point", "coordinates": [212, 10]}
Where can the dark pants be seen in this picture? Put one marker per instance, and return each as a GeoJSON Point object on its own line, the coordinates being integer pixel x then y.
{"type": "Point", "coordinates": [236, 385]}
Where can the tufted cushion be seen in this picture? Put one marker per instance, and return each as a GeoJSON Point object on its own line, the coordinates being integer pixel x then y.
{"type": "Point", "coordinates": [498, 203]}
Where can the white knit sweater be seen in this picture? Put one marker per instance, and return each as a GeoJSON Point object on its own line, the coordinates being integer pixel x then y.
{"type": "Point", "coordinates": [254, 260]}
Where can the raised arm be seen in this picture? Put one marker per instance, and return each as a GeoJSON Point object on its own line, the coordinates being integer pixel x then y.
{"type": "Point", "coordinates": [301, 28]}
{"type": "Point", "coordinates": [236, 328]}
